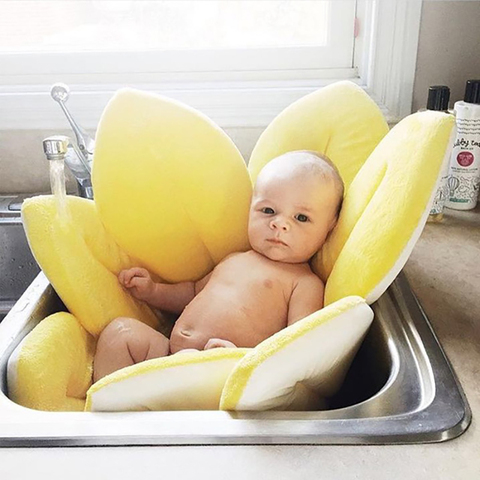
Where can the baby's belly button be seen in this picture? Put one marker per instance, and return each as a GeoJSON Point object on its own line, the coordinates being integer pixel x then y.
{"type": "Point", "coordinates": [181, 334]}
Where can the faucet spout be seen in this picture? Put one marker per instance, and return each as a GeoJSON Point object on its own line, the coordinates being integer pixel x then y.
{"type": "Point", "coordinates": [59, 147]}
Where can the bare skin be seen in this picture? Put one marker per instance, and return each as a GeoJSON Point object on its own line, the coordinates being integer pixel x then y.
{"type": "Point", "coordinates": [248, 296]}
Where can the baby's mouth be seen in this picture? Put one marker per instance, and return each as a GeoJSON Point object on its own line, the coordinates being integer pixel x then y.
{"type": "Point", "coordinates": [276, 241]}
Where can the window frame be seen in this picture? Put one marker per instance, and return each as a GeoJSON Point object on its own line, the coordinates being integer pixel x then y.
{"type": "Point", "coordinates": [383, 64]}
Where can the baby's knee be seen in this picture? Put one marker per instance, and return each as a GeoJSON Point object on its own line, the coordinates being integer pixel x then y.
{"type": "Point", "coordinates": [119, 327]}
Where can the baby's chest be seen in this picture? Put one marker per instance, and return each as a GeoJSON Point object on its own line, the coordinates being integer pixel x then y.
{"type": "Point", "coordinates": [259, 280]}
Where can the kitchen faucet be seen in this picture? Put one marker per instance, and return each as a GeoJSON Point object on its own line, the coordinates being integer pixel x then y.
{"type": "Point", "coordinates": [77, 156]}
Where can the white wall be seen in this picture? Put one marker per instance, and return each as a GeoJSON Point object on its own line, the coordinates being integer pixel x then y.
{"type": "Point", "coordinates": [448, 48]}
{"type": "Point", "coordinates": [24, 168]}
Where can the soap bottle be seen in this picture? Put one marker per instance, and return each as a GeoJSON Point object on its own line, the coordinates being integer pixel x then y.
{"type": "Point", "coordinates": [438, 97]}
{"type": "Point", "coordinates": [464, 175]}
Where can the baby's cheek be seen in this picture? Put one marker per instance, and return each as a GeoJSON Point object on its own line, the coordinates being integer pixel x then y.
{"type": "Point", "coordinates": [307, 247]}
{"type": "Point", "coordinates": [255, 234]}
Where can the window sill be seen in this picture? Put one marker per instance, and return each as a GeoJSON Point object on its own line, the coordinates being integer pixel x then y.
{"type": "Point", "coordinates": [229, 105]}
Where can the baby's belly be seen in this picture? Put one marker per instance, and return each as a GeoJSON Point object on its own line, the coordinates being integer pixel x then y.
{"type": "Point", "coordinates": [243, 324]}
{"type": "Point", "coordinates": [186, 336]}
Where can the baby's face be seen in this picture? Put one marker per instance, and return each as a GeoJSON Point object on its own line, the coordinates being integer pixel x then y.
{"type": "Point", "coordinates": [291, 218]}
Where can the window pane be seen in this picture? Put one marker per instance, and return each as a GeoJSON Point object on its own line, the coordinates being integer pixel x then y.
{"type": "Point", "coordinates": [104, 25]}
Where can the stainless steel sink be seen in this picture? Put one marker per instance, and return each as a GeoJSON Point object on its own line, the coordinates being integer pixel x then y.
{"type": "Point", "coordinates": [17, 266]}
{"type": "Point", "coordinates": [400, 389]}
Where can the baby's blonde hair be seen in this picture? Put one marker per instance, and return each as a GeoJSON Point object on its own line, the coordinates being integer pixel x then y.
{"type": "Point", "coordinates": [318, 164]}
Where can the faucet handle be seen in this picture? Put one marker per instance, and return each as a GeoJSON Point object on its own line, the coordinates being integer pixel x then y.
{"type": "Point", "coordinates": [60, 93]}
{"type": "Point", "coordinates": [56, 147]}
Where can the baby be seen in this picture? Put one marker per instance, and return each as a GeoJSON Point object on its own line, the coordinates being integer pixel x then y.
{"type": "Point", "coordinates": [250, 295]}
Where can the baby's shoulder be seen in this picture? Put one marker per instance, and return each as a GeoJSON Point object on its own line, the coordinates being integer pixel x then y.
{"type": "Point", "coordinates": [232, 255]}
{"type": "Point", "coordinates": [307, 279]}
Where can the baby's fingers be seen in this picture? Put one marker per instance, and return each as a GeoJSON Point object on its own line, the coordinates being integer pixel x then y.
{"type": "Point", "coordinates": [125, 276]}
{"type": "Point", "coordinates": [138, 282]}
{"type": "Point", "coordinates": [133, 273]}
{"type": "Point", "coordinates": [121, 277]}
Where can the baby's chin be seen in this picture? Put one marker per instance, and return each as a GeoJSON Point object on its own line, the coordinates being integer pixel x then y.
{"type": "Point", "coordinates": [279, 255]}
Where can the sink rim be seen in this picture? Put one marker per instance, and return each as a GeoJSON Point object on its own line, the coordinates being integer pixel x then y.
{"type": "Point", "coordinates": [444, 414]}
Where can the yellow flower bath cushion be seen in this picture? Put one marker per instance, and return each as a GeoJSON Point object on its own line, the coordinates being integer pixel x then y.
{"type": "Point", "coordinates": [51, 369]}
{"type": "Point", "coordinates": [184, 381]}
{"type": "Point", "coordinates": [81, 261]}
{"type": "Point", "coordinates": [292, 370]}
{"type": "Point", "coordinates": [170, 186]}
{"type": "Point", "coordinates": [298, 367]}
{"type": "Point", "coordinates": [172, 194]}
{"type": "Point", "coordinates": [386, 208]}
{"type": "Point", "coordinates": [339, 120]}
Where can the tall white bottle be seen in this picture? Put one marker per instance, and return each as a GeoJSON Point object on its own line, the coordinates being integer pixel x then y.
{"type": "Point", "coordinates": [464, 176]}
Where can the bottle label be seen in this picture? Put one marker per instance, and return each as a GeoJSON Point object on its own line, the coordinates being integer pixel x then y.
{"type": "Point", "coordinates": [464, 178]}
{"type": "Point", "coordinates": [440, 197]}
{"type": "Point", "coordinates": [465, 159]}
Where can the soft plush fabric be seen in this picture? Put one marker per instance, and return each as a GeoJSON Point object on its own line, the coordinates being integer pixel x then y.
{"type": "Point", "coordinates": [303, 363]}
{"type": "Point", "coordinates": [51, 369]}
{"type": "Point", "coordinates": [340, 121]}
{"type": "Point", "coordinates": [170, 186]}
{"type": "Point", "coordinates": [172, 195]}
{"type": "Point", "coordinates": [176, 187]}
{"type": "Point", "coordinates": [385, 208]}
{"type": "Point", "coordinates": [81, 261]}
{"type": "Point", "coordinates": [185, 381]}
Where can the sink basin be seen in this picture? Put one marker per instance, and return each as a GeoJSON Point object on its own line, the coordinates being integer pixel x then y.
{"type": "Point", "coordinates": [400, 389]}
{"type": "Point", "coordinates": [17, 266]}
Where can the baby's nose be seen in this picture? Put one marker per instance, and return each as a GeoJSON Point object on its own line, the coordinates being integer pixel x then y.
{"type": "Point", "coordinates": [279, 224]}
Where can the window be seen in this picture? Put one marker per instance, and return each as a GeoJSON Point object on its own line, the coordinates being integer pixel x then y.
{"type": "Point", "coordinates": [240, 62]}
{"type": "Point", "coordinates": [175, 36]}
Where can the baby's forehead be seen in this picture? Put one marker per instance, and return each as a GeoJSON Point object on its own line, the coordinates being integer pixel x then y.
{"type": "Point", "coordinates": [300, 166]}
{"type": "Point", "coordinates": [299, 189]}
{"type": "Point", "coordinates": [292, 176]}
{"type": "Point", "coordinates": [297, 164]}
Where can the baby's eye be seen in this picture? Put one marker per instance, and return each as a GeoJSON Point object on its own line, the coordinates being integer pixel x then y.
{"type": "Point", "coordinates": [268, 210]}
{"type": "Point", "coordinates": [302, 218]}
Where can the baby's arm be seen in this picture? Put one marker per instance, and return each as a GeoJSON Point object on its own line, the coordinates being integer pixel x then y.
{"type": "Point", "coordinates": [307, 297]}
{"type": "Point", "coordinates": [168, 297]}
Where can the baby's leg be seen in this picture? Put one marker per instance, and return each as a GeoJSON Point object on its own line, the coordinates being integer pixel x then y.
{"type": "Point", "coordinates": [126, 341]}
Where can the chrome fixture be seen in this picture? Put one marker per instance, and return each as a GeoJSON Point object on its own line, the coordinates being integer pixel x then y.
{"type": "Point", "coordinates": [399, 389]}
{"type": "Point", "coordinates": [77, 156]}
{"type": "Point", "coordinates": [56, 147]}
{"type": "Point", "coordinates": [17, 265]}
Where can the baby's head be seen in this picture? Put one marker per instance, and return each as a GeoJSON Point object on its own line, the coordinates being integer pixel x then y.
{"type": "Point", "coordinates": [296, 202]}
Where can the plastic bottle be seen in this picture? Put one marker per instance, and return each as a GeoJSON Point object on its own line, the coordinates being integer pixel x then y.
{"type": "Point", "coordinates": [464, 175]}
{"type": "Point", "coordinates": [438, 97]}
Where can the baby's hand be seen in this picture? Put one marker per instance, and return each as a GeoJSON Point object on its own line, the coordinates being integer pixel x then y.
{"type": "Point", "coordinates": [138, 282]}
{"type": "Point", "coordinates": [219, 343]}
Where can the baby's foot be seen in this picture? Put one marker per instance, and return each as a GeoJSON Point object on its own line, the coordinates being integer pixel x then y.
{"type": "Point", "coordinates": [219, 343]}
{"type": "Point", "coordinates": [187, 350]}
